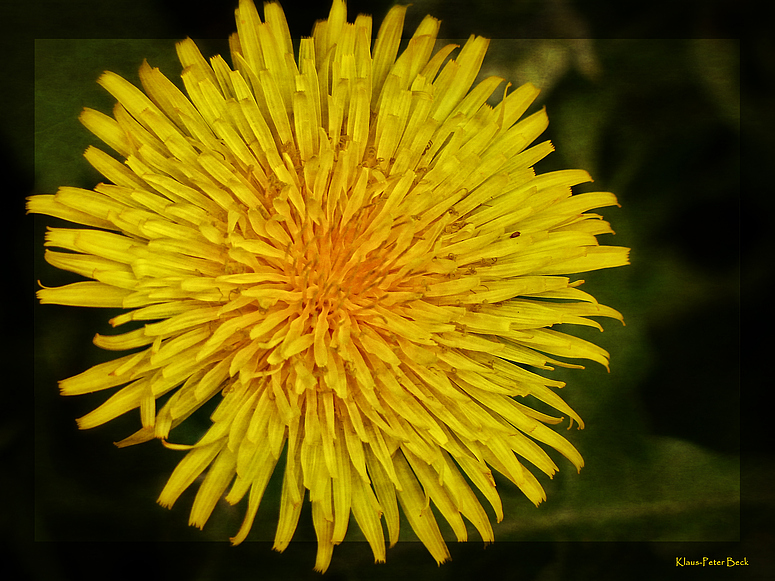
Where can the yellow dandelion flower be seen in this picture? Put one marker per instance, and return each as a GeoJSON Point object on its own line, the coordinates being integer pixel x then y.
{"type": "Point", "coordinates": [350, 249]}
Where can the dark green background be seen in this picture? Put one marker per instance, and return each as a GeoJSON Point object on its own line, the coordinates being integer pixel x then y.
{"type": "Point", "coordinates": [652, 112]}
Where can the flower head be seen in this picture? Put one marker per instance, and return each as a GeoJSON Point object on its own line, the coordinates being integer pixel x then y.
{"type": "Point", "coordinates": [350, 250]}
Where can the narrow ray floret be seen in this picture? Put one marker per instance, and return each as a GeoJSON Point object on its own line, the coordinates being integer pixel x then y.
{"type": "Point", "coordinates": [350, 250]}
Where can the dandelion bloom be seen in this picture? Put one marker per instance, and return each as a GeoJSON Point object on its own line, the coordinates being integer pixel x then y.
{"type": "Point", "coordinates": [351, 250]}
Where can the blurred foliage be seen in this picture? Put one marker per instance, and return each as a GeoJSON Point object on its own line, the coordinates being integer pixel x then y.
{"type": "Point", "coordinates": [657, 121]}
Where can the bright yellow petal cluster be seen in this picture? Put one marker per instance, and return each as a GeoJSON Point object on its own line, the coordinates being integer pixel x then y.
{"type": "Point", "coordinates": [350, 249]}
